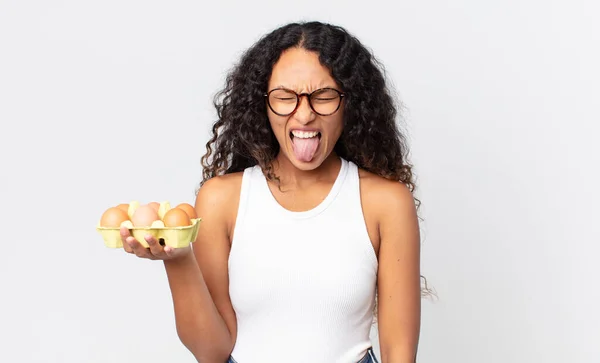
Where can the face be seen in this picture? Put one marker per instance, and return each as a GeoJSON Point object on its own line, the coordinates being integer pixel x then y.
{"type": "Point", "coordinates": [305, 138]}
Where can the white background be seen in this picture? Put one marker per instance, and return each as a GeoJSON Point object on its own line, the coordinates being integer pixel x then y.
{"type": "Point", "coordinates": [103, 102]}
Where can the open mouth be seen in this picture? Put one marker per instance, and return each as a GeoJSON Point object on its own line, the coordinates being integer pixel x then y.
{"type": "Point", "coordinates": [305, 144]}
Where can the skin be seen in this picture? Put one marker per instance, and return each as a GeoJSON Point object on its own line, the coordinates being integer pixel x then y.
{"type": "Point", "coordinates": [198, 277]}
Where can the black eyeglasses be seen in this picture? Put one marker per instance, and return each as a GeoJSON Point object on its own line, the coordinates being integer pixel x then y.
{"type": "Point", "coordinates": [324, 101]}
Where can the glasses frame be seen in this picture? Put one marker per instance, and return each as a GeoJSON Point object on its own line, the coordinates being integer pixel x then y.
{"type": "Point", "coordinates": [308, 97]}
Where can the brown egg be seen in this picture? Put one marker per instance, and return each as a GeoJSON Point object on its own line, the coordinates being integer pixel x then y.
{"type": "Point", "coordinates": [154, 205]}
{"type": "Point", "coordinates": [143, 216]}
{"type": "Point", "coordinates": [191, 212]}
{"type": "Point", "coordinates": [176, 217]}
{"type": "Point", "coordinates": [113, 217]}
{"type": "Point", "coordinates": [124, 207]}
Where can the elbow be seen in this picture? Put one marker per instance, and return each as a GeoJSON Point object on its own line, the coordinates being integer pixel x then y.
{"type": "Point", "coordinates": [205, 351]}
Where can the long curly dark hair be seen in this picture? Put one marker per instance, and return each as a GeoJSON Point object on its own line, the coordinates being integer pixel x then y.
{"type": "Point", "coordinates": [242, 135]}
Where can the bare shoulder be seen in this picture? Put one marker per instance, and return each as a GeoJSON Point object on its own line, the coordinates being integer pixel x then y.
{"type": "Point", "coordinates": [220, 188]}
{"type": "Point", "coordinates": [218, 199]}
{"type": "Point", "coordinates": [388, 208]}
{"type": "Point", "coordinates": [384, 195]}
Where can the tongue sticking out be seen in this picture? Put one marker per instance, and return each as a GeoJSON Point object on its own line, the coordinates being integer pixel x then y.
{"type": "Point", "coordinates": [305, 149]}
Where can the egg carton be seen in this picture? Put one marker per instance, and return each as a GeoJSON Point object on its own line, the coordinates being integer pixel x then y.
{"type": "Point", "coordinates": [175, 237]}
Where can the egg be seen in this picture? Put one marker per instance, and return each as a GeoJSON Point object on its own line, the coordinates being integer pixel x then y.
{"type": "Point", "coordinates": [144, 216]}
{"type": "Point", "coordinates": [154, 205]}
{"type": "Point", "coordinates": [176, 217]}
{"type": "Point", "coordinates": [124, 207]}
{"type": "Point", "coordinates": [113, 217]}
{"type": "Point", "coordinates": [187, 208]}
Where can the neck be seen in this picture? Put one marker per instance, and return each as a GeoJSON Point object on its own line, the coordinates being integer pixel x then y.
{"type": "Point", "coordinates": [292, 177]}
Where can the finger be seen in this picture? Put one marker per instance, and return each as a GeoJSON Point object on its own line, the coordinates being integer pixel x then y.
{"type": "Point", "coordinates": [124, 235]}
{"type": "Point", "coordinates": [124, 232]}
{"type": "Point", "coordinates": [169, 251]}
{"type": "Point", "coordinates": [127, 248]}
{"type": "Point", "coordinates": [138, 249]}
{"type": "Point", "coordinates": [155, 248]}
{"type": "Point", "coordinates": [172, 252]}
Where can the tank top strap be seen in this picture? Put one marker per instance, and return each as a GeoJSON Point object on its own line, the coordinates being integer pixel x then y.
{"type": "Point", "coordinates": [245, 193]}
{"type": "Point", "coordinates": [349, 198]}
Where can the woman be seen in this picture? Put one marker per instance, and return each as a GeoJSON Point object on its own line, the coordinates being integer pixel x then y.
{"type": "Point", "coordinates": [307, 211]}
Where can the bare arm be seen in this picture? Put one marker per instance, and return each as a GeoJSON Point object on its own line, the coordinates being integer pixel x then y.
{"type": "Point", "coordinates": [199, 325]}
{"type": "Point", "coordinates": [199, 280]}
{"type": "Point", "coordinates": [399, 289]}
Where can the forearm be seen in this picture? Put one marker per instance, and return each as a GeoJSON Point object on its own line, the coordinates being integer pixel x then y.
{"type": "Point", "coordinates": [199, 325]}
{"type": "Point", "coordinates": [398, 356]}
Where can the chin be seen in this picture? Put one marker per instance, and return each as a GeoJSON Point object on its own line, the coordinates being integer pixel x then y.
{"type": "Point", "coordinates": [307, 166]}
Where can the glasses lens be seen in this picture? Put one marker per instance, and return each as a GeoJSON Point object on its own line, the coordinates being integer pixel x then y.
{"type": "Point", "coordinates": [325, 101]}
{"type": "Point", "coordinates": [282, 101]}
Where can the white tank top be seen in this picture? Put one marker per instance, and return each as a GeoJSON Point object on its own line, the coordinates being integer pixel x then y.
{"type": "Point", "coordinates": [302, 284]}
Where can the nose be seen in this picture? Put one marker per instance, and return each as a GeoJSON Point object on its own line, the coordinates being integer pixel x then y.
{"type": "Point", "coordinates": [304, 114]}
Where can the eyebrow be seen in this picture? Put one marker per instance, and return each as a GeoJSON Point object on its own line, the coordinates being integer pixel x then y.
{"type": "Point", "coordinates": [294, 88]}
